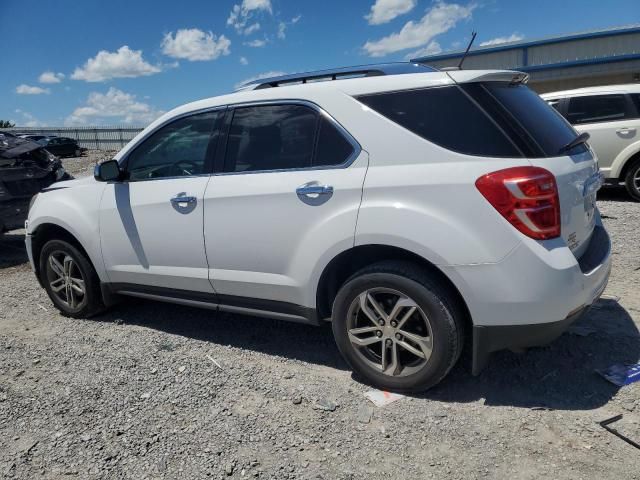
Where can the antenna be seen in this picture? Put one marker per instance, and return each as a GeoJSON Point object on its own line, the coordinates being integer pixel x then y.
{"type": "Point", "coordinates": [473, 37]}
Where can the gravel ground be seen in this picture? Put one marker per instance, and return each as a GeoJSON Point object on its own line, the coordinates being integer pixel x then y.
{"type": "Point", "coordinates": [153, 390]}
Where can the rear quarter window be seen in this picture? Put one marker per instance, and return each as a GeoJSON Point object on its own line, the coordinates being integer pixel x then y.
{"type": "Point", "coordinates": [446, 117]}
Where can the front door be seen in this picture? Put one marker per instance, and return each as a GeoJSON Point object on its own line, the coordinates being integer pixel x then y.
{"type": "Point", "coordinates": [151, 223]}
{"type": "Point", "coordinates": [288, 195]}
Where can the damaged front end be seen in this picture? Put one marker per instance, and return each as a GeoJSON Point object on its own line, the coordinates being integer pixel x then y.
{"type": "Point", "coordinates": [25, 169]}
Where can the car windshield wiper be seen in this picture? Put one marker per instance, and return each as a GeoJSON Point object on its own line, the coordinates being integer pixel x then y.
{"type": "Point", "coordinates": [580, 139]}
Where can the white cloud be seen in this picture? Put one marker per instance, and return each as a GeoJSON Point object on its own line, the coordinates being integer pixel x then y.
{"type": "Point", "coordinates": [193, 44]}
{"type": "Point", "coordinates": [439, 19]}
{"type": "Point", "coordinates": [514, 37]}
{"type": "Point", "coordinates": [115, 106]}
{"type": "Point", "coordinates": [251, 28]}
{"type": "Point", "coordinates": [384, 11]}
{"type": "Point", "coordinates": [274, 73]}
{"type": "Point", "coordinates": [50, 77]}
{"type": "Point", "coordinates": [124, 63]}
{"type": "Point", "coordinates": [31, 90]}
{"type": "Point", "coordinates": [432, 49]}
{"type": "Point", "coordinates": [282, 27]}
{"type": "Point", "coordinates": [241, 14]}
{"type": "Point", "coordinates": [256, 43]}
{"type": "Point", "coordinates": [244, 61]}
{"type": "Point", "coordinates": [28, 120]}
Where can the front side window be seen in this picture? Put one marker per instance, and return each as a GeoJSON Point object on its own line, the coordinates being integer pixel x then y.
{"type": "Point", "coordinates": [283, 137]}
{"type": "Point", "coordinates": [597, 108]}
{"type": "Point", "coordinates": [178, 149]}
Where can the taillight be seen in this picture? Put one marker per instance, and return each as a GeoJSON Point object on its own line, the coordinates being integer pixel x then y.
{"type": "Point", "coordinates": [527, 197]}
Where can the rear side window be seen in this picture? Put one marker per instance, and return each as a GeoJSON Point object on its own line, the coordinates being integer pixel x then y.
{"type": "Point", "coordinates": [446, 117]}
{"type": "Point", "coordinates": [283, 137]}
{"type": "Point", "coordinates": [597, 108]}
{"type": "Point", "coordinates": [271, 137]}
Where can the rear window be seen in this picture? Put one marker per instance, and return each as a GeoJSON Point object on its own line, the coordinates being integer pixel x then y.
{"type": "Point", "coordinates": [493, 119]}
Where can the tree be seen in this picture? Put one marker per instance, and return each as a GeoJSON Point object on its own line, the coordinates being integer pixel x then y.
{"type": "Point", "coordinates": [6, 124]}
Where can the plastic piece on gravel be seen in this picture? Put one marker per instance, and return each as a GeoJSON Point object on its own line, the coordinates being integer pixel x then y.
{"type": "Point", "coordinates": [621, 375]}
{"type": "Point", "coordinates": [380, 398]}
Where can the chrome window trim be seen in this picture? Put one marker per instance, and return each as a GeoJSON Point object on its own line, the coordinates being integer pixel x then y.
{"type": "Point", "coordinates": [357, 149]}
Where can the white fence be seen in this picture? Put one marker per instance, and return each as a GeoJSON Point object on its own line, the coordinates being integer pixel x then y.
{"type": "Point", "coordinates": [94, 138]}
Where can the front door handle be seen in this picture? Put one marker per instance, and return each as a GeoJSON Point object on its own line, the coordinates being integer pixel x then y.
{"type": "Point", "coordinates": [183, 198]}
{"type": "Point", "coordinates": [313, 189]}
{"type": "Point", "coordinates": [626, 130]}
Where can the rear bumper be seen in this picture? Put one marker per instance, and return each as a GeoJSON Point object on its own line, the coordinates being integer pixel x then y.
{"type": "Point", "coordinates": [488, 339]}
{"type": "Point", "coordinates": [533, 295]}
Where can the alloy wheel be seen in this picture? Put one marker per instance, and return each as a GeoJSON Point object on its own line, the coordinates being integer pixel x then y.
{"type": "Point", "coordinates": [66, 280]}
{"type": "Point", "coordinates": [390, 332]}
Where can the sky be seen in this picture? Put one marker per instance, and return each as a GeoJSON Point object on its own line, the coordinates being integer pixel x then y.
{"type": "Point", "coordinates": [125, 62]}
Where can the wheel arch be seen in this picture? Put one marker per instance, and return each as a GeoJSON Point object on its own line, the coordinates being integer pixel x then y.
{"type": "Point", "coordinates": [348, 262]}
{"type": "Point", "coordinates": [624, 160]}
{"type": "Point", "coordinates": [50, 231]}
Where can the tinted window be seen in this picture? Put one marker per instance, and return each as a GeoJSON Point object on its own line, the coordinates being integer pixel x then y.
{"type": "Point", "coordinates": [333, 148]}
{"type": "Point", "coordinates": [533, 118]}
{"type": "Point", "coordinates": [446, 117]}
{"type": "Point", "coordinates": [597, 108]}
{"type": "Point", "coordinates": [636, 100]}
{"type": "Point", "coordinates": [177, 149]}
{"type": "Point", "coordinates": [271, 137]}
{"type": "Point", "coordinates": [555, 103]}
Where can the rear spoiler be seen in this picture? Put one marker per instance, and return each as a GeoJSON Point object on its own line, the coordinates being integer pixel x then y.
{"type": "Point", "coordinates": [472, 76]}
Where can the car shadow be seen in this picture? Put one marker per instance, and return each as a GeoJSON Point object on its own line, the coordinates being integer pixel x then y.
{"type": "Point", "coordinates": [273, 337]}
{"type": "Point", "coordinates": [614, 193]}
{"type": "Point", "coordinates": [12, 249]}
{"type": "Point", "coordinates": [560, 376]}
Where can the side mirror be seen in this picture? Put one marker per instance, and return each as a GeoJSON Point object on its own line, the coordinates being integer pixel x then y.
{"type": "Point", "coordinates": [108, 171]}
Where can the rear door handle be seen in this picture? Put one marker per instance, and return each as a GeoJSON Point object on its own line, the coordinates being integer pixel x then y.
{"type": "Point", "coordinates": [314, 189]}
{"type": "Point", "coordinates": [626, 130]}
{"type": "Point", "coordinates": [183, 198]}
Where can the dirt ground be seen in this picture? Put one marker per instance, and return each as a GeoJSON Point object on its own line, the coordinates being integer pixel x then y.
{"type": "Point", "coordinates": [151, 390]}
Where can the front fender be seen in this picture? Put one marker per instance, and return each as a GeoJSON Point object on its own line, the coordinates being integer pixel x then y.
{"type": "Point", "coordinates": [75, 209]}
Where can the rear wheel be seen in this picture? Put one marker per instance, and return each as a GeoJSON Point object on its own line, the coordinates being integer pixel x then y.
{"type": "Point", "coordinates": [397, 327]}
{"type": "Point", "coordinates": [632, 180]}
{"type": "Point", "coordinates": [70, 280]}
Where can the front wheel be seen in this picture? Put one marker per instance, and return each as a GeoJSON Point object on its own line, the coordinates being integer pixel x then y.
{"type": "Point", "coordinates": [70, 280]}
{"type": "Point", "coordinates": [632, 180]}
{"type": "Point", "coordinates": [397, 327]}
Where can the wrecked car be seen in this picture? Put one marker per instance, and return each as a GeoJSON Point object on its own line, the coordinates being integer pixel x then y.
{"type": "Point", "coordinates": [25, 169]}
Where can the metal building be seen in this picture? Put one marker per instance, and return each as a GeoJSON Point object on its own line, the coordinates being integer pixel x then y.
{"type": "Point", "coordinates": [602, 57]}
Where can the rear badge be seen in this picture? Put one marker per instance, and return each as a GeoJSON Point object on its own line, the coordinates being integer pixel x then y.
{"type": "Point", "coordinates": [572, 242]}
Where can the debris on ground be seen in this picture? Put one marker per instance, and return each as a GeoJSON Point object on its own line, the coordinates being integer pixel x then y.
{"type": "Point", "coordinates": [380, 398]}
{"type": "Point", "coordinates": [621, 375]}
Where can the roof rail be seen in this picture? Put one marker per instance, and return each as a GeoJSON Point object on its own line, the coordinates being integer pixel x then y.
{"type": "Point", "coordinates": [375, 70]}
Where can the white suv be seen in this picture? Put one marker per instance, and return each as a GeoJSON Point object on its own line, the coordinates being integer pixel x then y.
{"type": "Point", "coordinates": [611, 116]}
{"type": "Point", "coordinates": [412, 208]}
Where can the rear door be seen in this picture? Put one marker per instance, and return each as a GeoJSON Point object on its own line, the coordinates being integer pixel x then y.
{"type": "Point", "coordinates": [288, 190]}
{"type": "Point", "coordinates": [609, 120]}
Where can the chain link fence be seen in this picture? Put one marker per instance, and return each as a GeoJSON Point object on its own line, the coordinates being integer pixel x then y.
{"type": "Point", "coordinates": [93, 138]}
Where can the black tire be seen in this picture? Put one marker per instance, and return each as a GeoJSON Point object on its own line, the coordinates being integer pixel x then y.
{"type": "Point", "coordinates": [632, 180]}
{"type": "Point", "coordinates": [439, 304]}
{"type": "Point", "coordinates": [91, 302]}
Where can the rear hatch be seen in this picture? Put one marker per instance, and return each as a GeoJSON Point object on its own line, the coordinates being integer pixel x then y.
{"type": "Point", "coordinates": [542, 135]}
